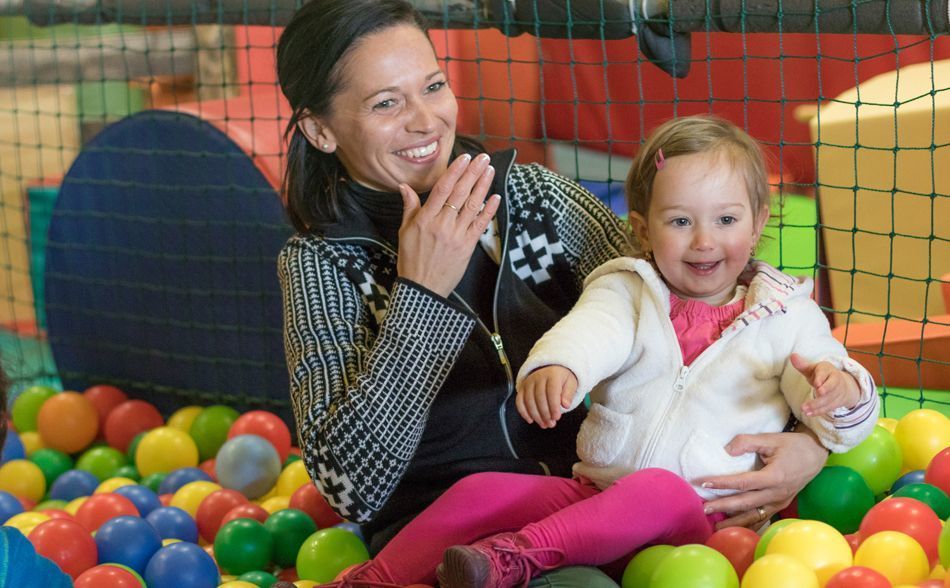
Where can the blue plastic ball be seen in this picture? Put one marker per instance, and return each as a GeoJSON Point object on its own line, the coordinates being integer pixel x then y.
{"type": "Point", "coordinates": [182, 565]}
{"type": "Point", "coordinates": [73, 484]}
{"type": "Point", "coordinates": [142, 497]}
{"type": "Point", "coordinates": [9, 506]}
{"type": "Point", "coordinates": [352, 528]}
{"type": "Point", "coordinates": [912, 477]}
{"type": "Point", "coordinates": [172, 522]}
{"type": "Point", "coordinates": [178, 478]}
{"type": "Point", "coordinates": [127, 540]}
{"type": "Point", "coordinates": [12, 448]}
{"type": "Point", "coordinates": [248, 464]}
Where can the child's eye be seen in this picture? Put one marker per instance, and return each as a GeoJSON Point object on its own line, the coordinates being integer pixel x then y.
{"type": "Point", "coordinates": [727, 220]}
{"type": "Point", "coordinates": [435, 87]}
{"type": "Point", "coordinates": [680, 222]}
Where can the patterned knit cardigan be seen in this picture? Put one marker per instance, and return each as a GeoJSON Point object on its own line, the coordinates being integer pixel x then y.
{"type": "Point", "coordinates": [367, 353]}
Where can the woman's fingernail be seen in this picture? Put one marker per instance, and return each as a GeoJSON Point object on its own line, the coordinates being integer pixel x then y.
{"type": "Point", "coordinates": [465, 157]}
{"type": "Point", "coordinates": [483, 157]}
{"type": "Point", "coordinates": [707, 485]}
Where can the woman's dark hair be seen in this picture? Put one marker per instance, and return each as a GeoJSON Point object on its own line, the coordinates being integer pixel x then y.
{"type": "Point", "coordinates": [309, 55]}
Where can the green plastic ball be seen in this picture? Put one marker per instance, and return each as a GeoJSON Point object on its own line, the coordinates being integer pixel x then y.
{"type": "Point", "coordinates": [328, 552]}
{"type": "Point", "coordinates": [102, 462]}
{"type": "Point", "coordinates": [943, 544]}
{"type": "Point", "coordinates": [27, 406]}
{"type": "Point", "coordinates": [133, 446]}
{"type": "Point", "coordinates": [289, 528]}
{"type": "Point", "coordinates": [930, 495]}
{"type": "Point", "coordinates": [210, 429]}
{"type": "Point", "coordinates": [243, 545]}
{"type": "Point", "coordinates": [52, 462]}
{"type": "Point", "coordinates": [877, 459]}
{"type": "Point", "coordinates": [154, 481]}
{"type": "Point", "coordinates": [638, 572]}
{"type": "Point", "coordinates": [128, 471]}
{"type": "Point", "coordinates": [838, 496]}
{"type": "Point", "coordinates": [694, 565]}
{"type": "Point", "coordinates": [259, 578]}
{"type": "Point", "coordinates": [52, 503]}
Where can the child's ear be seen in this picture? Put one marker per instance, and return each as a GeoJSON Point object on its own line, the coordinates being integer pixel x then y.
{"type": "Point", "coordinates": [639, 225]}
{"type": "Point", "coordinates": [761, 220]}
{"type": "Point", "coordinates": [317, 134]}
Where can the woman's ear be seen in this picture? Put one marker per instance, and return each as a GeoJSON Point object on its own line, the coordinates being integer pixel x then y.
{"type": "Point", "coordinates": [317, 134]}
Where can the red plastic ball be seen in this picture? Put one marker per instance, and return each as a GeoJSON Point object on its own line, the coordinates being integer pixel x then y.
{"type": "Point", "coordinates": [288, 575]}
{"type": "Point", "coordinates": [207, 466]}
{"type": "Point", "coordinates": [58, 513]}
{"type": "Point", "coordinates": [213, 508]}
{"type": "Point", "coordinates": [166, 499]}
{"type": "Point", "coordinates": [308, 499]}
{"type": "Point", "coordinates": [737, 544]}
{"type": "Point", "coordinates": [245, 511]}
{"type": "Point", "coordinates": [858, 577]}
{"type": "Point", "coordinates": [67, 543]}
{"type": "Point", "coordinates": [908, 516]}
{"type": "Point", "coordinates": [104, 399]}
{"type": "Point", "coordinates": [854, 540]}
{"type": "Point", "coordinates": [106, 575]}
{"type": "Point", "coordinates": [99, 508]}
{"type": "Point", "coordinates": [264, 424]}
{"type": "Point", "coordinates": [938, 471]}
{"type": "Point", "coordinates": [128, 420]}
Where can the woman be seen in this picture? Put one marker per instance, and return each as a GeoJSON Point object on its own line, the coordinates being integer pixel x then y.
{"type": "Point", "coordinates": [404, 317]}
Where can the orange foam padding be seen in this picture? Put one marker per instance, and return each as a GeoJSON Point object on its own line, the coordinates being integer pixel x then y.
{"type": "Point", "coordinates": [890, 350]}
{"type": "Point", "coordinates": [254, 121]}
{"type": "Point", "coordinates": [945, 290]}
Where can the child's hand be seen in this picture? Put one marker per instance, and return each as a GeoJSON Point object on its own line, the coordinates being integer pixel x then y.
{"type": "Point", "coordinates": [544, 394]}
{"type": "Point", "coordinates": [834, 388]}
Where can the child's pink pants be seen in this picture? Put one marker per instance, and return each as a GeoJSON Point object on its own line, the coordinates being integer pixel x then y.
{"type": "Point", "coordinates": [651, 506]}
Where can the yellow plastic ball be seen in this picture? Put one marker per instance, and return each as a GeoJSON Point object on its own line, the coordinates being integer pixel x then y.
{"type": "Point", "coordinates": [817, 545]}
{"type": "Point", "coordinates": [23, 479]}
{"type": "Point", "coordinates": [305, 583]}
{"type": "Point", "coordinates": [275, 503]}
{"type": "Point", "coordinates": [169, 541]}
{"type": "Point", "coordinates": [238, 584]}
{"type": "Point", "coordinates": [73, 505]}
{"type": "Point", "coordinates": [922, 434]}
{"type": "Point", "coordinates": [937, 573]}
{"type": "Point", "coordinates": [31, 442]}
{"type": "Point", "coordinates": [888, 423]}
{"type": "Point", "coordinates": [182, 418]}
{"type": "Point", "coordinates": [189, 497]}
{"type": "Point", "coordinates": [25, 521]}
{"type": "Point", "coordinates": [895, 555]}
{"type": "Point", "coordinates": [294, 476]}
{"type": "Point", "coordinates": [165, 449]}
{"type": "Point", "coordinates": [109, 486]}
{"type": "Point", "coordinates": [779, 571]}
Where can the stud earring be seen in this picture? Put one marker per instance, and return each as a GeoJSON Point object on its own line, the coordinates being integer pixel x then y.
{"type": "Point", "coordinates": [326, 146]}
{"type": "Point", "coordinates": [648, 255]}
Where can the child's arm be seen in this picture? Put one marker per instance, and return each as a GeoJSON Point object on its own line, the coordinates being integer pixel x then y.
{"type": "Point", "coordinates": [834, 388]}
{"type": "Point", "coordinates": [544, 394]}
{"type": "Point", "coordinates": [840, 422]}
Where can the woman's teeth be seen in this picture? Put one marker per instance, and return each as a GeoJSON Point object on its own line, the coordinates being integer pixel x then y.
{"type": "Point", "coordinates": [419, 152]}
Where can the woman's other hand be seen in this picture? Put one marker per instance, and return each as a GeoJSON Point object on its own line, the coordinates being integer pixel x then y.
{"type": "Point", "coordinates": [791, 461]}
{"type": "Point", "coordinates": [437, 238]}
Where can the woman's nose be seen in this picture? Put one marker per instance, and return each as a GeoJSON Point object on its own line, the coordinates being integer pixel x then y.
{"type": "Point", "coordinates": [421, 117]}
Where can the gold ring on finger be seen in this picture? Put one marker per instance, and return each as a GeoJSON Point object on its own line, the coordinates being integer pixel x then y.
{"type": "Point", "coordinates": [455, 208]}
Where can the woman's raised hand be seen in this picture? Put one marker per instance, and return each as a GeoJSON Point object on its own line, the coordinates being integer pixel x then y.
{"type": "Point", "coordinates": [437, 238]}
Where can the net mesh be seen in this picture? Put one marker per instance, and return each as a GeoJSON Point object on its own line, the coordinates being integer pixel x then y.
{"type": "Point", "coordinates": [139, 166]}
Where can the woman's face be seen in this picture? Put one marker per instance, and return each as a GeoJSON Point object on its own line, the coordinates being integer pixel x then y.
{"type": "Point", "coordinates": [393, 121]}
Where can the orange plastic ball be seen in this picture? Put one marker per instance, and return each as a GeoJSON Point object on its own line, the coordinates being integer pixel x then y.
{"type": "Point", "coordinates": [68, 422]}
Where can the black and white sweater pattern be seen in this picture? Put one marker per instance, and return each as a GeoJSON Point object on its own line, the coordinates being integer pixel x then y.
{"type": "Point", "coordinates": [367, 353]}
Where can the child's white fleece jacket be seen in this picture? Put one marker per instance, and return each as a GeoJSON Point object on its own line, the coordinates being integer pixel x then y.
{"type": "Point", "coordinates": [649, 410]}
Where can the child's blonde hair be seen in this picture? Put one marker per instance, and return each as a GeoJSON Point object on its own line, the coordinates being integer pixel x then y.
{"type": "Point", "coordinates": [697, 134]}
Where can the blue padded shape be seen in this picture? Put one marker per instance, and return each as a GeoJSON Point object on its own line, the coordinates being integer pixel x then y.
{"type": "Point", "coordinates": [160, 268]}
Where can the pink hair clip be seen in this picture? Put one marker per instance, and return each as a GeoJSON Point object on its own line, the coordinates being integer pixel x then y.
{"type": "Point", "coordinates": [660, 160]}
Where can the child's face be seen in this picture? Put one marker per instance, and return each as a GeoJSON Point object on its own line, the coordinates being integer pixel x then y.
{"type": "Point", "coordinates": [700, 226]}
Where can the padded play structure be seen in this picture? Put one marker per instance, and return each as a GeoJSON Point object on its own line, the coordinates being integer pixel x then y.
{"type": "Point", "coordinates": [160, 263]}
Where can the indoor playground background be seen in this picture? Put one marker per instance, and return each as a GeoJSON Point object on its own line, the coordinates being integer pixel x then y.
{"type": "Point", "coordinates": [141, 155]}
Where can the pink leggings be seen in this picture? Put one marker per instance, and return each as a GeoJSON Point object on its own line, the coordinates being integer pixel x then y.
{"type": "Point", "coordinates": [590, 526]}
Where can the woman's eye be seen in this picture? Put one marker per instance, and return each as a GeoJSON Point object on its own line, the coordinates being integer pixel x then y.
{"type": "Point", "coordinates": [388, 103]}
{"type": "Point", "coordinates": [435, 87]}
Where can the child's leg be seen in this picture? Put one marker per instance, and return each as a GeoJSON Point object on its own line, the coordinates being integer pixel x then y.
{"type": "Point", "coordinates": [475, 507]}
{"type": "Point", "coordinates": [648, 506]}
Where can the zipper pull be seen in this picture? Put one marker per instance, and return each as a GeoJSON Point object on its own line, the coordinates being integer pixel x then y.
{"type": "Point", "coordinates": [681, 379]}
{"type": "Point", "coordinates": [499, 346]}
